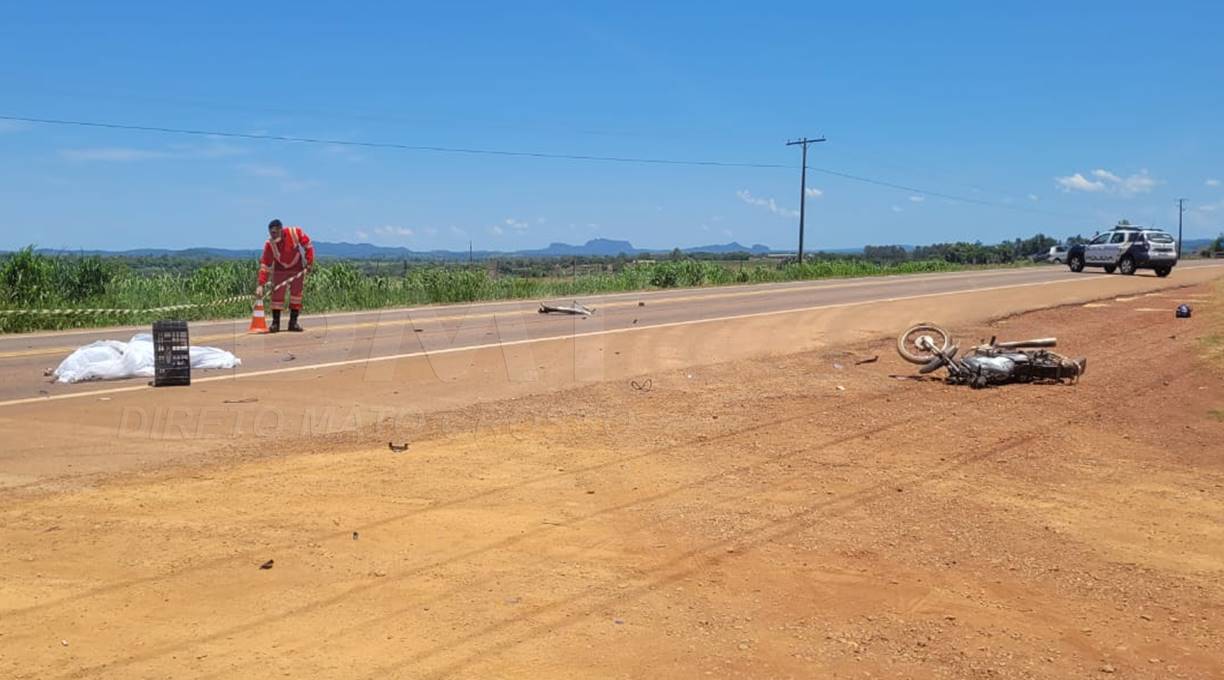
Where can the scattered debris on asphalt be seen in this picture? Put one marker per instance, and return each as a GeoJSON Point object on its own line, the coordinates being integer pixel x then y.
{"type": "Point", "coordinates": [991, 363]}
{"type": "Point", "coordinates": [576, 308]}
{"type": "Point", "coordinates": [267, 565]}
{"type": "Point", "coordinates": [868, 360]}
{"type": "Point", "coordinates": [397, 448]}
{"type": "Point", "coordinates": [643, 386]}
{"type": "Point", "coordinates": [1183, 311]}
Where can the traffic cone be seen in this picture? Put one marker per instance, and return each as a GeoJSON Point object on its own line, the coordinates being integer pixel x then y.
{"type": "Point", "coordinates": [258, 324]}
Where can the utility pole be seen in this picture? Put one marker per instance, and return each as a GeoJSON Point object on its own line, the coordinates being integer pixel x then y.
{"type": "Point", "coordinates": [1181, 208]}
{"type": "Point", "coordinates": [803, 186]}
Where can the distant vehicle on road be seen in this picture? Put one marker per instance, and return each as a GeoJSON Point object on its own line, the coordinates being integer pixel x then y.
{"type": "Point", "coordinates": [1126, 249]}
{"type": "Point", "coordinates": [1055, 255]}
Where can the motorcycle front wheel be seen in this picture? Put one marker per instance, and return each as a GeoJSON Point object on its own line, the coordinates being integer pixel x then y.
{"type": "Point", "coordinates": [910, 349]}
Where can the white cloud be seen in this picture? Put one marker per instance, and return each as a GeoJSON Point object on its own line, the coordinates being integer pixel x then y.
{"type": "Point", "coordinates": [127, 154]}
{"type": "Point", "coordinates": [727, 233]}
{"type": "Point", "coordinates": [214, 150]}
{"type": "Point", "coordinates": [813, 192]}
{"type": "Point", "coordinates": [430, 231]}
{"type": "Point", "coordinates": [1078, 182]}
{"type": "Point", "coordinates": [517, 225]}
{"type": "Point", "coordinates": [1106, 181]}
{"type": "Point", "coordinates": [1033, 197]}
{"type": "Point", "coordinates": [362, 235]}
{"type": "Point", "coordinates": [1212, 182]}
{"type": "Point", "coordinates": [1107, 175]}
{"type": "Point", "coordinates": [295, 185]}
{"type": "Point", "coordinates": [496, 230]}
{"type": "Point", "coordinates": [264, 170]}
{"type": "Point", "coordinates": [767, 203]}
{"type": "Point", "coordinates": [704, 227]}
{"type": "Point", "coordinates": [896, 209]}
{"type": "Point", "coordinates": [1141, 183]}
{"type": "Point", "coordinates": [456, 231]}
{"type": "Point", "coordinates": [917, 199]}
{"type": "Point", "coordinates": [392, 230]}
{"type": "Point", "coordinates": [112, 154]}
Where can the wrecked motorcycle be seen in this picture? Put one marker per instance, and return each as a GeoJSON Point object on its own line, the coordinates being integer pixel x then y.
{"type": "Point", "coordinates": [990, 363]}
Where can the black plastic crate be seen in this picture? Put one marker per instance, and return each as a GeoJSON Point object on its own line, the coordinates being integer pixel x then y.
{"type": "Point", "coordinates": [171, 354]}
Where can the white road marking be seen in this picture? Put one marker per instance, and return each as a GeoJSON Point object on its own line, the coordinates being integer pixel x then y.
{"type": "Point", "coordinates": [532, 341]}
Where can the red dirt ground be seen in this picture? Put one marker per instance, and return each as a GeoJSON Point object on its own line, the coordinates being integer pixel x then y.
{"type": "Point", "coordinates": [792, 516]}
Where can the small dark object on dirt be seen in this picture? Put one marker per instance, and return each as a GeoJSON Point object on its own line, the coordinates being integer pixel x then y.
{"type": "Point", "coordinates": [643, 386]}
{"type": "Point", "coordinates": [247, 400]}
{"type": "Point", "coordinates": [354, 535]}
{"type": "Point", "coordinates": [267, 565]}
{"type": "Point", "coordinates": [290, 357]}
{"type": "Point", "coordinates": [1183, 311]}
{"type": "Point", "coordinates": [418, 330]}
{"type": "Point", "coordinates": [641, 303]}
{"type": "Point", "coordinates": [868, 360]}
{"type": "Point", "coordinates": [397, 448]}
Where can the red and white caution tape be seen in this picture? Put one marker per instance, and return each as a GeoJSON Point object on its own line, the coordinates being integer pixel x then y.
{"type": "Point", "coordinates": [86, 311]}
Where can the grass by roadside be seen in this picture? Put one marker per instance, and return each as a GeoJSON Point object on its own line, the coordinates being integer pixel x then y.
{"type": "Point", "coordinates": [30, 281]}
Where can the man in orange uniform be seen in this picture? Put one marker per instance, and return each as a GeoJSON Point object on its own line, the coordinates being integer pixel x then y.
{"type": "Point", "coordinates": [287, 254]}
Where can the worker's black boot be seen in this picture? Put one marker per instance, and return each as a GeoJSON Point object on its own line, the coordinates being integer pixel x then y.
{"type": "Point", "coordinates": [275, 327]}
{"type": "Point", "coordinates": [293, 321]}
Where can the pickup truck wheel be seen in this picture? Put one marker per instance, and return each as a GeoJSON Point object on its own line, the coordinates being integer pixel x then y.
{"type": "Point", "coordinates": [1109, 268]}
{"type": "Point", "coordinates": [1127, 265]}
{"type": "Point", "coordinates": [1076, 263]}
{"type": "Point", "coordinates": [1163, 271]}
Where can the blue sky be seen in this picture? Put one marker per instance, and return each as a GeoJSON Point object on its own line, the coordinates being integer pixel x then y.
{"type": "Point", "coordinates": [1063, 117]}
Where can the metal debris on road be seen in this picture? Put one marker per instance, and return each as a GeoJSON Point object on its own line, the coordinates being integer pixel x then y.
{"type": "Point", "coordinates": [868, 360]}
{"type": "Point", "coordinates": [397, 448]}
{"type": "Point", "coordinates": [267, 565]}
{"type": "Point", "coordinates": [1183, 312]}
{"type": "Point", "coordinates": [575, 308]}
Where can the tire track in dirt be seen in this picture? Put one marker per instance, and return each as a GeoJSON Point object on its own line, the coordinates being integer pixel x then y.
{"type": "Point", "coordinates": [853, 501]}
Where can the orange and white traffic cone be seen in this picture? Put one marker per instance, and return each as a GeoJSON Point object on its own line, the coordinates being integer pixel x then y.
{"type": "Point", "coordinates": [258, 324]}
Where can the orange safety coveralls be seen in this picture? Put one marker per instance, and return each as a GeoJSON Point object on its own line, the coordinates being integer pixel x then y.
{"type": "Point", "coordinates": [283, 259]}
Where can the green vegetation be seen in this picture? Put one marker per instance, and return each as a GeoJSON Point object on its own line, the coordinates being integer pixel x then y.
{"type": "Point", "coordinates": [1211, 249]}
{"type": "Point", "coordinates": [31, 281]}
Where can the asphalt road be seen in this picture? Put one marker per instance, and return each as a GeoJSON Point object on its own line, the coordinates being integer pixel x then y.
{"type": "Point", "coordinates": [352, 338]}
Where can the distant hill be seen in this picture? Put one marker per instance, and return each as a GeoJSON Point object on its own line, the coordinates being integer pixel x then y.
{"type": "Point", "coordinates": [599, 247]}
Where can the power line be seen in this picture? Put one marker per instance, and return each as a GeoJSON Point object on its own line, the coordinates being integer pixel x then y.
{"type": "Point", "coordinates": [387, 145]}
{"type": "Point", "coordinates": [522, 154]}
{"type": "Point", "coordinates": [950, 197]}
